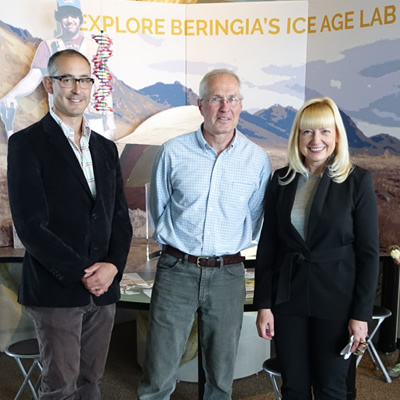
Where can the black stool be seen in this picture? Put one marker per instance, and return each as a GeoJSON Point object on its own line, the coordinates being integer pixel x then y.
{"type": "Point", "coordinates": [271, 367]}
{"type": "Point", "coordinates": [379, 314]}
{"type": "Point", "coordinates": [26, 349]}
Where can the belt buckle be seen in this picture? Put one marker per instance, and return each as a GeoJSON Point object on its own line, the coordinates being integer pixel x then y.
{"type": "Point", "coordinates": [198, 261]}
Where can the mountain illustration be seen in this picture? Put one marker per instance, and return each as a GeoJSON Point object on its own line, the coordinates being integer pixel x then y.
{"type": "Point", "coordinates": [373, 146]}
{"type": "Point", "coordinates": [131, 108]}
{"type": "Point", "coordinates": [271, 126]}
{"type": "Point", "coordinates": [279, 119]}
{"type": "Point", "coordinates": [173, 95]}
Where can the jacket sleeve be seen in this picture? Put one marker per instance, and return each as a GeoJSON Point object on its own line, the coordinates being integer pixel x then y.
{"type": "Point", "coordinates": [366, 247]}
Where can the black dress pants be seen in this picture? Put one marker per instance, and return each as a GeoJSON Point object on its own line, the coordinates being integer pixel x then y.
{"type": "Point", "coordinates": [308, 350]}
{"type": "Point", "coordinates": [351, 379]}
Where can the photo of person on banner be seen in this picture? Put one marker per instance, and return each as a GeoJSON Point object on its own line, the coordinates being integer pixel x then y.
{"type": "Point", "coordinates": [69, 19]}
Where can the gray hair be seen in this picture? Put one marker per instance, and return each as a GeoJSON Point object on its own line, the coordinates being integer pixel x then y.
{"type": "Point", "coordinates": [204, 84]}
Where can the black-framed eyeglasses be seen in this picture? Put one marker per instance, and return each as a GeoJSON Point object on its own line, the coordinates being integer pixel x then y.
{"type": "Point", "coordinates": [69, 82]}
{"type": "Point", "coordinates": [217, 100]}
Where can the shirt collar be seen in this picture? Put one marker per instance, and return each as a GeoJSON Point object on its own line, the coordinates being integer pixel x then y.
{"type": "Point", "coordinates": [203, 143]}
{"type": "Point", "coordinates": [68, 131]}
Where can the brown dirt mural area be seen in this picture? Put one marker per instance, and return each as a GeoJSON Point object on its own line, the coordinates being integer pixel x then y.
{"type": "Point", "coordinates": [386, 174]}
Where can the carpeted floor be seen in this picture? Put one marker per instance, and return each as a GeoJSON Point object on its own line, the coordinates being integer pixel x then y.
{"type": "Point", "coordinates": [123, 374]}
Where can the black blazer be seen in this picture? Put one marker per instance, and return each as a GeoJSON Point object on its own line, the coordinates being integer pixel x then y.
{"type": "Point", "coordinates": [333, 273]}
{"type": "Point", "coordinates": [63, 229]}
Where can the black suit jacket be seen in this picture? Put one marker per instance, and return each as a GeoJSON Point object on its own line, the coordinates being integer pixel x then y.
{"type": "Point", "coordinates": [333, 273]}
{"type": "Point", "coordinates": [62, 227]}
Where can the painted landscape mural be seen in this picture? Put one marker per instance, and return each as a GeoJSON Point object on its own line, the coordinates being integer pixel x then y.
{"type": "Point", "coordinates": [297, 51]}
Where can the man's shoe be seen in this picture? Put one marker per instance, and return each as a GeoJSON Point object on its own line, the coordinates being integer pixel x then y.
{"type": "Point", "coordinates": [394, 371]}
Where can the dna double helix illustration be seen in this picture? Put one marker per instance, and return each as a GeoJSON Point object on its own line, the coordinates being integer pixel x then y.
{"type": "Point", "coordinates": [102, 72]}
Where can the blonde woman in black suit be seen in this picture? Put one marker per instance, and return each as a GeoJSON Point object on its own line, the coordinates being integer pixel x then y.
{"type": "Point", "coordinates": [318, 256]}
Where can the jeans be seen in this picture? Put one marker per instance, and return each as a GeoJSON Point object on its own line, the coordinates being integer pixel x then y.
{"type": "Point", "coordinates": [73, 345]}
{"type": "Point", "coordinates": [180, 290]}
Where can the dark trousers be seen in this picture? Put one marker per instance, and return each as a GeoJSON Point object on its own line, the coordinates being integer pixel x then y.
{"type": "Point", "coordinates": [351, 379]}
{"type": "Point", "coordinates": [73, 345]}
{"type": "Point", "coordinates": [308, 351]}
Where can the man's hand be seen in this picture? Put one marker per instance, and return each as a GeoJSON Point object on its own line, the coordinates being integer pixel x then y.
{"type": "Point", "coordinates": [265, 323]}
{"type": "Point", "coordinates": [98, 277]}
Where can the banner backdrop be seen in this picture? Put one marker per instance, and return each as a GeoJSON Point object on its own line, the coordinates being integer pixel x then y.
{"type": "Point", "coordinates": [157, 53]}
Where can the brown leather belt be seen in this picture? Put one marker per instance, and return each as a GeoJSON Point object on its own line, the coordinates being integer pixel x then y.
{"type": "Point", "coordinates": [204, 261]}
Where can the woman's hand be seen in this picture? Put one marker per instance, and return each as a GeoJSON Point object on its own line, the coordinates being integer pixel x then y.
{"type": "Point", "coordinates": [265, 323]}
{"type": "Point", "coordinates": [359, 329]}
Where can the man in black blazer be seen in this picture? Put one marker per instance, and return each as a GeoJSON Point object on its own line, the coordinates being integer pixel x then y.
{"type": "Point", "coordinates": [69, 209]}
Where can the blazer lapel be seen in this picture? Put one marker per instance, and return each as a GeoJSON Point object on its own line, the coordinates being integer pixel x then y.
{"type": "Point", "coordinates": [102, 164]}
{"type": "Point", "coordinates": [288, 193]}
{"type": "Point", "coordinates": [57, 139]}
{"type": "Point", "coordinates": [95, 149]}
{"type": "Point", "coordinates": [318, 203]}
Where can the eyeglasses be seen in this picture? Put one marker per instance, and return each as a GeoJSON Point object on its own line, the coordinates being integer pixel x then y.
{"type": "Point", "coordinates": [217, 100]}
{"type": "Point", "coordinates": [68, 82]}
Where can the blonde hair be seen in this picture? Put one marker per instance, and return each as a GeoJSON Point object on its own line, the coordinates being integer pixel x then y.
{"type": "Point", "coordinates": [319, 112]}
